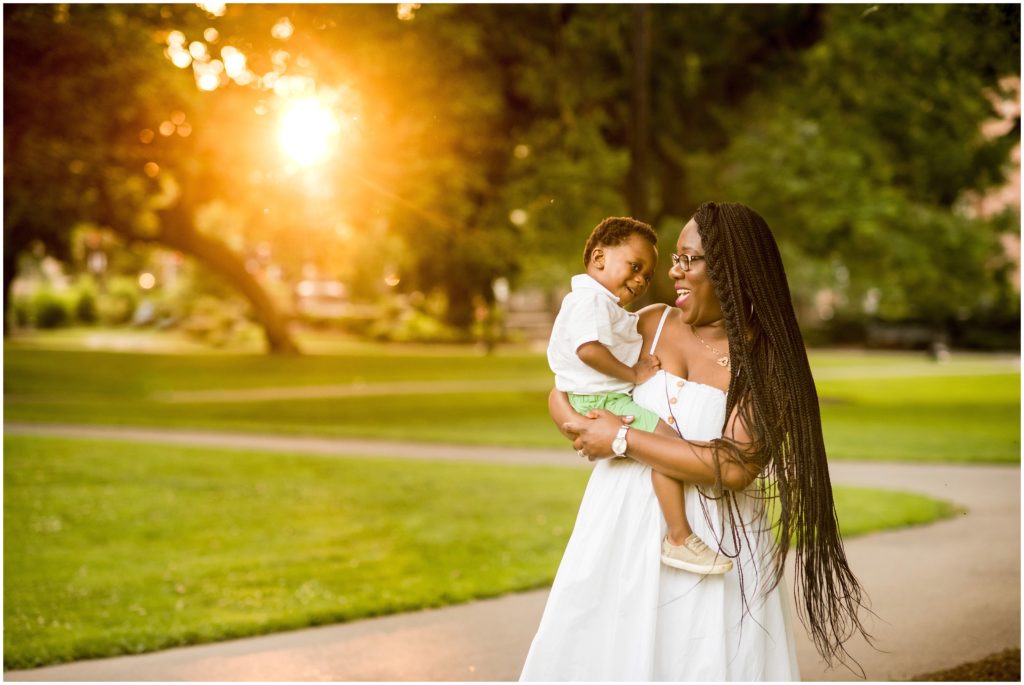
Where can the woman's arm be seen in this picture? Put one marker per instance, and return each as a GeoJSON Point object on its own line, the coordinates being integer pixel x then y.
{"type": "Point", "coordinates": [562, 412]}
{"type": "Point", "coordinates": [683, 460]}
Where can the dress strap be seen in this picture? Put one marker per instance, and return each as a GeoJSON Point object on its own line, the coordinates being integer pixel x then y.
{"type": "Point", "coordinates": [657, 333]}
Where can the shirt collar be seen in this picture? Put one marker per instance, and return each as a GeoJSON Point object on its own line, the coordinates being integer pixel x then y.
{"type": "Point", "coordinates": [587, 282]}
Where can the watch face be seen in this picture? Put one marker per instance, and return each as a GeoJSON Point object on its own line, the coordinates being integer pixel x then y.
{"type": "Point", "coordinates": [619, 446]}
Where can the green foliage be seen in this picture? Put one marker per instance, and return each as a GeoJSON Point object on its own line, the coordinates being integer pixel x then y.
{"type": "Point", "coordinates": [487, 140]}
{"type": "Point", "coordinates": [80, 82]}
{"type": "Point", "coordinates": [116, 305]}
{"type": "Point", "coordinates": [859, 167]}
{"type": "Point", "coordinates": [115, 548]}
{"type": "Point", "coordinates": [49, 309]}
{"type": "Point", "coordinates": [85, 294]}
{"type": "Point", "coordinates": [213, 320]}
{"type": "Point", "coordinates": [21, 310]}
{"type": "Point", "coordinates": [413, 325]}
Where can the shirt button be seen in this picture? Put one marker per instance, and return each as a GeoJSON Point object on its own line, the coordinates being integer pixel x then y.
{"type": "Point", "coordinates": [679, 384]}
{"type": "Point", "coordinates": [671, 420]}
{"type": "Point", "coordinates": [674, 400]}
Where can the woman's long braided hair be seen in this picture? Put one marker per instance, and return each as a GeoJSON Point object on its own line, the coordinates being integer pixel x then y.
{"type": "Point", "coordinates": [773, 391]}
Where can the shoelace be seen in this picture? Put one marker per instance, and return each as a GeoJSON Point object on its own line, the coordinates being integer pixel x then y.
{"type": "Point", "coordinates": [697, 545]}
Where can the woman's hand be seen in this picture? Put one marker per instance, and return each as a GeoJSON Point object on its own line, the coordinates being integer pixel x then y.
{"type": "Point", "coordinates": [595, 432]}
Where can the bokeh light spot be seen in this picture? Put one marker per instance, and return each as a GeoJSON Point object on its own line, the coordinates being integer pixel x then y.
{"type": "Point", "coordinates": [518, 217]}
{"type": "Point", "coordinates": [234, 60]}
{"type": "Point", "coordinates": [207, 81]}
{"type": "Point", "coordinates": [283, 29]}
{"type": "Point", "coordinates": [406, 11]}
{"type": "Point", "coordinates": [166, 128]}
{"type": "Point", "coordinates": [217, 9]}
{"type": "Point", "coordinates": [146, 135]}
{"type": "Point", "coordinates": [392, 279]}
{"type": "Point", "coordinates": [179, 57]}
{"type": "Point", "coordinates": [151, 169]}
{"type": "Point", "coordinates": [146, 280]}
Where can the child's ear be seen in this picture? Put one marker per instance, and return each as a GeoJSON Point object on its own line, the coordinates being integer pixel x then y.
{"type": "Point", "coordinates": [597, 258]}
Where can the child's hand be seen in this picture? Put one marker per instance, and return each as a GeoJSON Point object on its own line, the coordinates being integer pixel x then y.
{"type": "Point", "coordinates": [646, 367]}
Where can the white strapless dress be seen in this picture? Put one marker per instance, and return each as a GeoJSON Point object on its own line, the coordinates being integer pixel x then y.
{"type": "Point", "coordinates": [615, 612]}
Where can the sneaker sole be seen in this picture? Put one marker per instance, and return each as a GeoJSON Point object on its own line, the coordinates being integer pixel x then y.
{"type": "Point", "coordinates": [693, 568]}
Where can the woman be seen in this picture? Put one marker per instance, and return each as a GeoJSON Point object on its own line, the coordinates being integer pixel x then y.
{"type": "Point", "coordinates": [755, 461]}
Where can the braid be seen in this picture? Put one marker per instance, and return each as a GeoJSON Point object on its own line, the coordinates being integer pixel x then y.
{"type": "Point", "coordinates": [772, 389]}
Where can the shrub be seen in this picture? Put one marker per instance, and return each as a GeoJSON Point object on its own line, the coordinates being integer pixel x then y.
{"type": "Point", "coordinates": [21, 310]}
{"type": "Point", "coordinates": [84, 298]}
{"type": "Point", "coordinates": [117, 305]}
{"type": "Point", "coordinates": [413, 326]}
{"type": "Point", "coordinates": [49, 309]}
{"type": "Point", "coordinates": [213, 321]}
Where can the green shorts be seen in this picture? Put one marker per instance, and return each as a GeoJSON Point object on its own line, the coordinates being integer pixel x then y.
{"type": "Point", "coordinates": [618, 403]}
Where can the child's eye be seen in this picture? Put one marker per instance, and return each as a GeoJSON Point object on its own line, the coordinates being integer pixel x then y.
{"type": "Point", "coordinates": [636, 267]}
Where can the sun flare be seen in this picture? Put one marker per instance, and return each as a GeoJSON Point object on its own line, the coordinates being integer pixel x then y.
{"type": "Point", "coordinates": [308, 132]}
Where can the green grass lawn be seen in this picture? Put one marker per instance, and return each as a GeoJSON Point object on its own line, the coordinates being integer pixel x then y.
{"type": "Point", "coordinates": [967, 410]}
{"type": "Point", "coordinates": [114, 548]}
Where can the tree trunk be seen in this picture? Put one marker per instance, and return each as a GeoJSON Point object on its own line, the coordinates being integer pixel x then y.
{"type": "Point", "coordinates": [10, 269]}
{"type": "Point", "coordinates": [179, 234]}
{"type": "Point", "coordinates": [640, 128]}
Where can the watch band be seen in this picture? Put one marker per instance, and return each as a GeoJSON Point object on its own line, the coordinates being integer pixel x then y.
{"type": "Point", "coordinates": [620, 439]}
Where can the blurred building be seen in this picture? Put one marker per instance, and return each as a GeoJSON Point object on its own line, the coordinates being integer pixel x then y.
{"type": "Point", "coordinates": [1006, 196]}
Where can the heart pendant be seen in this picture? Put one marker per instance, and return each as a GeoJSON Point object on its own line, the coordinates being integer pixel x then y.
{"type": "Point", "coordinates": [723, 361]}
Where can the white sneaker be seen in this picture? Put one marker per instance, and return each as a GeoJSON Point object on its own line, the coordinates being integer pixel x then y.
{"type": "Point", "coordinates": [694, 556]}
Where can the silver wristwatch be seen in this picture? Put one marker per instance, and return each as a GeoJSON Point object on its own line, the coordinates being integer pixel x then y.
{"type": "Point", "coordinates": [619, 443]}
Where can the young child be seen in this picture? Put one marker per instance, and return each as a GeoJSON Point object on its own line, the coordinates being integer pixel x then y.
{"type": "Point", "coordinates": [594, 353]}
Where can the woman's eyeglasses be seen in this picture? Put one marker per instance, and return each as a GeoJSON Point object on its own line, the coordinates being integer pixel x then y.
{"type": "Point", "coordinates": [683, 261]}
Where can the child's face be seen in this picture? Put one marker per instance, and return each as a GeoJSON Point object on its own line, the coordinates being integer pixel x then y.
{"type": "Point", "coordinates": [625, 269]}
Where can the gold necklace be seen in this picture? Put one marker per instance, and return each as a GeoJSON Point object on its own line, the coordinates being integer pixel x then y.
{"type": "Point", "coordinates": [722, 360]}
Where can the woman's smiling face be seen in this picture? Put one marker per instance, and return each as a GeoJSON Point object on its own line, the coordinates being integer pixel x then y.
{"type": "Point", "coordinates": [695, 294]}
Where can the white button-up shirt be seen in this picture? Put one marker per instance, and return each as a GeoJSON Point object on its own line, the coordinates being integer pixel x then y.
{"type": "Point", "coordinates": [590, 313]}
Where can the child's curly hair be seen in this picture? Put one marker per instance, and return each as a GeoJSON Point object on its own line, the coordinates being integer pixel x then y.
{"type": "Point", "coordinates": [616, 230]}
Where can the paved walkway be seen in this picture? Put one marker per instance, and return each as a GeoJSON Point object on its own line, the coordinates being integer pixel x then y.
{"type": "Point", "coordinates": [944, 594]}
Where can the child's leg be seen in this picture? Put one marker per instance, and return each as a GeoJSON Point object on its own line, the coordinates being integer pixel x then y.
{"type": "Point", "coordinates": [669, 492]}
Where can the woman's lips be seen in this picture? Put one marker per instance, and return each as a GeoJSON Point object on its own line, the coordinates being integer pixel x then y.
{"type": "Point", "coordinates": [681, 296]}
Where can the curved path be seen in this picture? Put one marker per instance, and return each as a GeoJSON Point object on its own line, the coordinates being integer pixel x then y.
{"type": "Point", "coordinates": [944, 594]}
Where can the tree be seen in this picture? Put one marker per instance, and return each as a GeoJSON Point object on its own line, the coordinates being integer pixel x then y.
{"type": "Point", "coordinates": [82, 83]}
{"type": "Point", "coordinates": [622, 105]}
{"type": "Point", "coordinates": [860, 164]}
